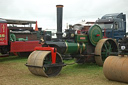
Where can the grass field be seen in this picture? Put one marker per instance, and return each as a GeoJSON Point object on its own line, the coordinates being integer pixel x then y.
{"type": "Point", "coordinates": [14, 72]}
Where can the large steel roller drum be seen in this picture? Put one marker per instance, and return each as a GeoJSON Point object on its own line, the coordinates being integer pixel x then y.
{"type": "Point", "coordinates": [116, 68]}
{"type": "Point", "coordinates": [38, 61]}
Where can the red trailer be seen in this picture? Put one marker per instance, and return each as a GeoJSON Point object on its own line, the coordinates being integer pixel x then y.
{"type": "Point", "coordinates": [18, 37]}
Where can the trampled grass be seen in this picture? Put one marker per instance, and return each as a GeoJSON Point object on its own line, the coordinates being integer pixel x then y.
{"type": "Point", "coordinates": [14, 72]}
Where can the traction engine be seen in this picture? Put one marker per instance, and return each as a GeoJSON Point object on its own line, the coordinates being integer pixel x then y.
{"type": "Point", "coordinates": [84, 45]}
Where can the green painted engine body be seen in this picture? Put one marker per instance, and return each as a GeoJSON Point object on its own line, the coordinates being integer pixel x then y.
{"type": "Point", "coordinates": [74, 48]}
{"type": "Point", "coordinates": [92, 36]}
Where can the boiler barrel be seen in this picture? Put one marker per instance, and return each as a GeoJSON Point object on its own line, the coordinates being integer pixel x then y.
{"type": "Point", "coordinates": [74, 48]}
{"type": "Point", "coordinates": [116, 68]}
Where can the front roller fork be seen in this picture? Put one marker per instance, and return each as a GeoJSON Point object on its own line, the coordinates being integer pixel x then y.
{"type": "Point", "coordinates": [53, 52]}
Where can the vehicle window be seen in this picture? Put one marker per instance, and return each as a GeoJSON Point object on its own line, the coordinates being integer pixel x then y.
{"type": "Point", "coordinates": [116, 25]}
{"type": "Point", "coordinates": [106, 26]}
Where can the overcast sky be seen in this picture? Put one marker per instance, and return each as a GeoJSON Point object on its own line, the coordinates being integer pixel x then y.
{"type": "Point", "coordinates": [44, 11]}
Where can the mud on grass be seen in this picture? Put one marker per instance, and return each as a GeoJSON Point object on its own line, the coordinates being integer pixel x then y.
{"type": "Point", "coordinates": [14, 72]}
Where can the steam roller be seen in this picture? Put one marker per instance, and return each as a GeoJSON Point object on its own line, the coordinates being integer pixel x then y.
{"type": "Point", "coordinates": [83, 43]}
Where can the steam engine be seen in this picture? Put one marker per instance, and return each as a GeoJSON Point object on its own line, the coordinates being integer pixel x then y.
{"type": "Point", "coordinates": [85, 44]}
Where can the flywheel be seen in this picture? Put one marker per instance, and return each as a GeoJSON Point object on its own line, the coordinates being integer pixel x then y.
{"type": "Point", "coordinates": [95, 34]}
{"type": "Point", "coordinates": [104, 48]}
{"type": "Point", "coordinates": [40, 63]}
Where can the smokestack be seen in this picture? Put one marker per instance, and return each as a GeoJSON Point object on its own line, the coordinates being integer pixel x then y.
{"type": "Point", "coordinates": [59, 21]}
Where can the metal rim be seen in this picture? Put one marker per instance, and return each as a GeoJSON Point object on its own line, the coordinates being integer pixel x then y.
{"type": "Point", "coordinates": [103, 49]}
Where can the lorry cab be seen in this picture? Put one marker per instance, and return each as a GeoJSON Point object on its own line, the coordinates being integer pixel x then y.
{"type": "Point", "coordinates": [113, 25]}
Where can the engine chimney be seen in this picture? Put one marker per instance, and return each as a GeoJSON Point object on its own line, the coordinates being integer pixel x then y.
{"type": "Point", "coordinates": [59, 21]}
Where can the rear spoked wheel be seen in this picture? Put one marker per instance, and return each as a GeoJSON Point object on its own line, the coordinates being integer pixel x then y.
{"type": "Point", "coordinates": [104, 48]}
